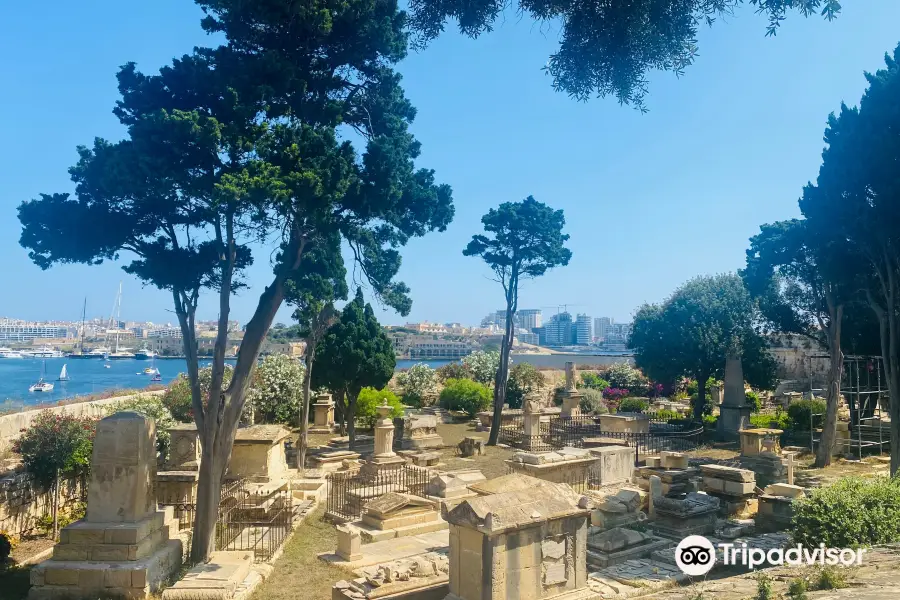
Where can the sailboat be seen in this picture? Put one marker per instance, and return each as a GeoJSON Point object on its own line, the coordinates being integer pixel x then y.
{"type": "Point", "coordinates": [157, 377]}
{"type": "Point", "coordinates": [63, 375]}
{"type": "Point", "coordinates": [41, 385]}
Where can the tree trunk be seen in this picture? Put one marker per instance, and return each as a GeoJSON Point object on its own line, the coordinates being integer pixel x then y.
{"type": "Point", "coordinates": [700, 402]}
{"type": "Point", "coordinates": [206, 515]}
{"type": "Point", "coordinates": [304, 411]}
{"type": "Point", "coordinates": [55, 507]}
{"type": "Point", "coordinates": [502, 377]}
{"type": "Point", "coordinates": [351, 418]}
{"type": "Point", "coordinates": [833, 396]}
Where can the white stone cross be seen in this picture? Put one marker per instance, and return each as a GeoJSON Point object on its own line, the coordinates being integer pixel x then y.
{"type": "Point", "coordinates": [789, 463]}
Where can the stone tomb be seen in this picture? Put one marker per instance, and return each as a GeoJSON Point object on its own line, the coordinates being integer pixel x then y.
{"type": "Point", "coordinates": [679, 517]}
{"type": "Point", "coordinates": [323, 414]}
{"type": "Point", "coordinates": [177, 483]}
{"type": "Point", "coordinates": [423, 577]}
{"type": "Point", "coordinates": [124, 547]}
{"type": "Point", "coordinates": [673, 480]}
{"type": "Point", "coordinates": [419, 432]}
{"type": "Point", "coordinates": [616, 464]}
{"type": "Point", "coordinates": [258, 453]}
{"type": "Point", "coordinates": [776, 508]}
{"type": "Point", "coordinates": [571, 397]}
{"type": "Point", "coordinates": [625, 423]}
{"type": "Point", "coordinates": [760, 452]}
{"type": "Point", "coordinates": [617, 545]}
{"type": "Point", "coordinates": [619, 510]}
{"type": "Point", "coordinates": [397, 515]}
{"type": "Point", "coordinates": [454, 485]}
{"type": "Point", "coordinates": [734, 487]}
{"type": "Point", "coordinates": [526, 544]}
{"type": "Point", "coordinates": [573, 466]}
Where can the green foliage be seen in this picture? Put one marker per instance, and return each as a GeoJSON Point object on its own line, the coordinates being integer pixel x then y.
{"type": "Point", "coordinates": [667, 415]}
{"type": "Point", "coordinates": [592, 402]}
{"type": "Point", "coordinates": [276, 389]}
{"type": "Point", "coordinates": [153, 407]}
{"type": "Point", "coordinates": [710, 420]}
{"type": "Point", "coordinates": [797, 589]}
{"type": "Point", "coordinates": [466, 395]}
{"type": "Point", "coordinates": [610, 48]}
{"type": "Point", "coordinates": [777, 420]}
{"type": "Point", "coordinates": [849, 513]}
{"type": "Point", "coordinates": [370, 398]}
{"type": "Point", "coordinates": [419, 384]}
{"type": "Point", "coordinates": [690, 334]}
{"type": "Point", "coordinates": [625, 377]}
{"type": "Point", "coordinates": [482, 366]}
{"type": "Point", "coordinates": [753, 400]}
{"type": "Point", "coordinates": [453, 370]}
{"type": "Point", "coordinates": [830, 578]}
{"type": "Point", "coordinates": [286, 333]}
{"type": "Point", "coordinates": [523, 380]}
{"type": "Point", "coordinates": [633, 404]}
{"type": "Point", "coordinates": [178, 395]}
{"type": "Point", "coordinates": [764, 587]}
{"type": "Point", "coordinates": [7, 545]}
{"type": "Point", "coordinates": [693, 387]}
{"type": "Point", "coordinates": [799, 413]}
{"type": "Point", "coordinates": [355, 352]}
{"type": "Point", "coordinates": [594, 381]}
{"type": "Point", "coordinates": [45, 522]}
{"type": "Point", "coordinates": [56, 445]}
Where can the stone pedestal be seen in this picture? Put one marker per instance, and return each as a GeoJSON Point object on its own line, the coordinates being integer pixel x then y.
{"type": "Point", "coordinates": [177, 483]}
{"type": "Point", "coordinates": [756, 441]}
{"type": "Point", "coordinates": [124, 547]}
{"type": "Point", "coordinates": [258, 453]}
{"type": "Point", "coordinates": [616, 464]}
{"type": "Point", "coordinates": [571, 405]}
{"type": "Point", "coordinates": [734, 413]}
{"type": "Point", "coordinates": [532, 434]}
{"type": "Point", "coordinates": [323, 414]}
{"type": "Point", "coordinates": [184, 448]}
{"type": "Point", "coordinates": [384, 439]}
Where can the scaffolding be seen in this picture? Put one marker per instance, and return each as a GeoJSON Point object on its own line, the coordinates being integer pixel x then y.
{"type": "Point", "coordinates": [863, 386]}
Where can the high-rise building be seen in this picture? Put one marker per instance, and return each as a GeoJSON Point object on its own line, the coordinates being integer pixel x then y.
{"type": "Point", "coordinates": [583, 331]}
{"type": "Point", "coordinates": [560, 330]}
{"type": "Point", "coordinates": [529, 318]}
{"type": "Point", "coordinates": [601, 327]}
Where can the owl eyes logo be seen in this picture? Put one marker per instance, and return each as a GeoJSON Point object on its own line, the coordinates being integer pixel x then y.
{"type": "Point", "coordinates": [695, 555]}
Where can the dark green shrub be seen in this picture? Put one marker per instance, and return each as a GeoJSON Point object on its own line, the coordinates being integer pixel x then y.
{"type": "Point", "coordinates": [6, 546]}
{"type": "Point", "coordinates": [633, 404]}
{"type": "Point", "coordinates": [764, 587]}
{"type": "Point", "coordinates": [667, 415]}
{"type": "Point", "coordinates": [753, 401]}
{"type": "Point", "coordinates": [466, 395]}
{"type": "Point", "coordinates": [851, 512]}
{"type": "Point", "coordinates": [797, 589]}
{"type": "Point", "coordinates": [778, 420]}
{"type": "Point", "coordinates": [831, 578]}
{"type": "Point", "coordinates": [592, 402]}
{"type": "Point", "coordinates": [799, 413]}
{"type": "Point", "coordinates": [523, 379]}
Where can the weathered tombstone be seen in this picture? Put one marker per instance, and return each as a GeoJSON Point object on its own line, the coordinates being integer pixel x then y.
{"type": "Point", "coordinates": [571, 397]}
{"type": "Point", "coordinates": [177, 483]}
{"type": "Point", "coordinates": [258, 452]}
{"type": "Point", "coordinates": [734, 413]}
{"type": "Point", "coordinates": [420, 431]}
{"type": "Point", "coordinates": [123, 547]}
{"type": "Point", "coordinates": [530, 543]}
{"type": "Point", "coordinates": [655, 493]}
{"type": "Point", "coordinates": [323, 414]}
{"type": "Point", "coordinates": [470, 446]}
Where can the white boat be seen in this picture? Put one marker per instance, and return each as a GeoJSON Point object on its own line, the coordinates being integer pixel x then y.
{"type": "Point", "coordinates": [41, 386]}
{"type": "Point", "coordinates": [63, 374]}
{"type": "Point", "coordinates": [44, 352]}
{"type": "Point", "coordinates": [145, 353]}
{"type": "Point", "coordinates": [107, 366]}
{"type": "Point", "coordinates": [10, 353]}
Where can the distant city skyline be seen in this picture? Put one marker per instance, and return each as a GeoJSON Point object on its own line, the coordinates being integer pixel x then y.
{"type": "Point", "coordinates": [651, 200]}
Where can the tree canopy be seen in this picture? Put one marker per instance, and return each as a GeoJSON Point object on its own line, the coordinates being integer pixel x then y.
{"type": "Point", "coordinates": [609, 48]}
{"type": "Point", "coordinates": [690, 334]}
{"type": "Point", "coordinates": [525, 239]}
{"type": "Point", "coordinates": [242, 144]}
{"type": "Point", "coordinates": [354, 353]}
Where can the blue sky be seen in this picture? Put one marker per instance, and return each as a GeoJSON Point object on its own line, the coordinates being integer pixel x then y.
{"type": "Point", "coordinates": [651, 200]}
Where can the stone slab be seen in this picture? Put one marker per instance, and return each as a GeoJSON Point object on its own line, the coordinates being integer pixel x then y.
{"type": "Point", "coordinates": [728, 473]}
{"type": "Point", "coordinates": [219, 577]}
{"type": "Point", "coordinates": [392, 549]}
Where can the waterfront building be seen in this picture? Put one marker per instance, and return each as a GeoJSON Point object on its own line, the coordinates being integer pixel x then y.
{"type": "Point", "coordinates": [28, 332]}
{"type": "Point", "coordinates": [560, 330]}
{"type": "Point", "coordinates": [529, 318]}
{"type": "Point", "coordinates": [583, 330]}
{"type": "Point", "coordinates": [170, 332]}
{"type": "Point", "coordinates": [601, 327]}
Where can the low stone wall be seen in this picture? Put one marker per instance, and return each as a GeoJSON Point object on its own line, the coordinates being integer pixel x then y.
{"type": "Point", "coordinates": [23, 502]}
{"type": "Point", "coordinates": [12, 425]}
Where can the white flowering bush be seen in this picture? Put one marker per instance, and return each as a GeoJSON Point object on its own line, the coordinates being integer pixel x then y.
{"type": "Point", "coordinates": [483, 366]}
{"type": "Point", "coordinates": [276, 390]}
{"type": "Point", "coordinates": [419, 384]}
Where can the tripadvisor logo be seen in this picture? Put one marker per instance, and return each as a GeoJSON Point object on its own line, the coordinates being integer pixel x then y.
{"type": "Point", "coordinates": [695, 555]}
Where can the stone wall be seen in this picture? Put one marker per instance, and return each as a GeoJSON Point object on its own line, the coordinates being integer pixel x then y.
{"type": "Point", "coordinates": [12, 425]}
{"type": "Point", "coordinates": [23, 502]}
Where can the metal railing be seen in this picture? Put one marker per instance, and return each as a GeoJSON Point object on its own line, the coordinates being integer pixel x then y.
{"type": "Point", "coordinates": [349, 492]}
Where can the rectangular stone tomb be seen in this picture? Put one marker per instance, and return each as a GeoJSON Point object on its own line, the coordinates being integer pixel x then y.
{"type": "Point", "coordinates": [453, 484]}
{"type": "Point", "coordinates": [221, 577]}
{"type": "Point", "coordinates": [677, 518]}
{"type": "Point", "coordinates": [616, 464]}
{"type": "Point", "coordinates": [728, 481]}
{"type": "Point", "coordinates": [617, 511]}
{"type": "Point", "coordinates": [332, 461]}
{"type": "Point", "coordinates": [530, 543]}
{"type": "Point", "coordinates": [625, 422]}
{"type": "Point", "coordinates": [617, 545]}
{"type": "Point", "coordinates": [420, 431]}
{"type": "Point", "coordinates": [393, 510]}
{"type": "Point", "coordinates": [512, 482]}
{"type": "Point", "coordinates": [423, 577]}
{"type": "Point", "coordinates": [569, 465]}
{"type": "Point", "coordinates": [258, 452]}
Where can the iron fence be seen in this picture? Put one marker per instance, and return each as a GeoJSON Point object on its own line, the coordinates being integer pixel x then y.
{"type": "Point", "coordinates": [250, 517]}
{"type": "Point", "coordinates": [562, 431]}
{"type": "Point", "coordinates": [349, 492]}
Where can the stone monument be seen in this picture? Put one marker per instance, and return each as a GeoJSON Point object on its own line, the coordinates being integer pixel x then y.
{"type": "Point", "coordinates": [420, 431]}
{"type": "Point", "coordinates": [123, 547]}
{"type": "Point", "coordinates": [384, 456]}
{"type": "Point", "coordinates": [571, 397]}
{"type": "Point", "coordinates": [323, 414]}
{"type": "Point", "coordinates": [522, 544]}
{"type": "Point", "coordinates": [177, 483]}
{"type": "Point", "coordinates": [258, 453]}
{"type": "Point", "coordinates": [734, 413]}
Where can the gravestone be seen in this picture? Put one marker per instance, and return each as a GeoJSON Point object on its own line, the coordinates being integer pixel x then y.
{"type": "Point", "coordinates": [734, 413]}
{"type": "Point", "coordinates": [124, 546]}
{"type": "Point", "coordinates": [323, 414]}
{"type": "Point", "coordinates": [258, 453]}
{"type": "Point", "coordinates": [177, 483]}
{"type": "Point", "coordinates": [420, 431]}
{"type": "Point", "coordinates": [571, 397]}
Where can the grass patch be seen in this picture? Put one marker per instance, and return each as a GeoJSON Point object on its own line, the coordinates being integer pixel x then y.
{"type": "Point", "coordinates": [299, 574]}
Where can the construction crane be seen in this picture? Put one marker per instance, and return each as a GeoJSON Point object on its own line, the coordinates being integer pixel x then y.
{"type": "Point", "coordinates": [564, 307]}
